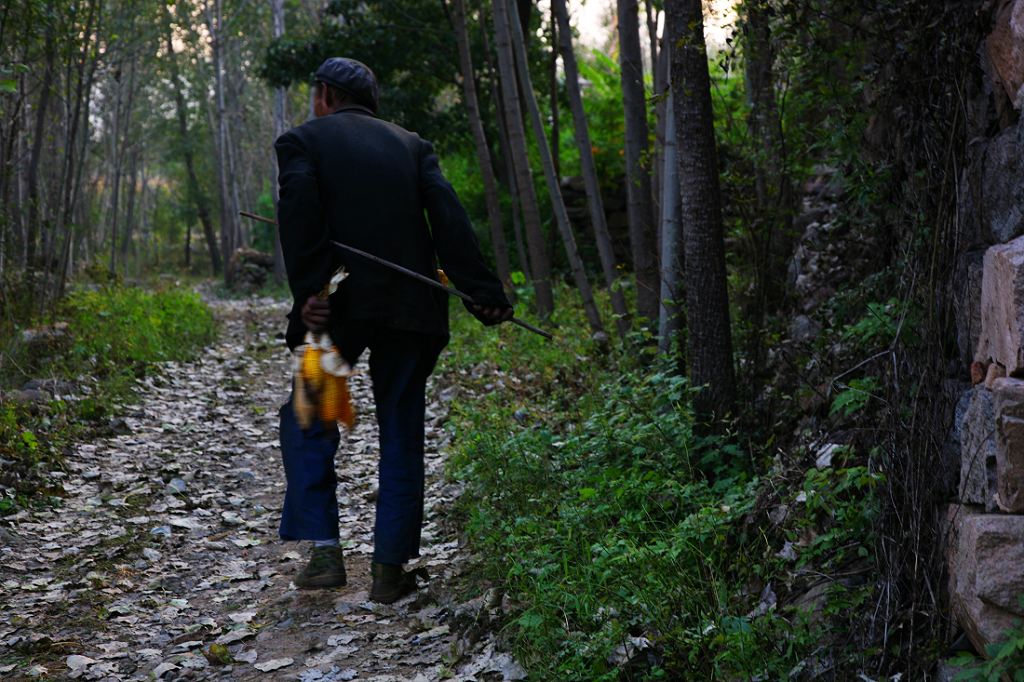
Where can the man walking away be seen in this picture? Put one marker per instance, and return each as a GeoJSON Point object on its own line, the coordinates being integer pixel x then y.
{"type": "Point", "coordinates": [349, 176]}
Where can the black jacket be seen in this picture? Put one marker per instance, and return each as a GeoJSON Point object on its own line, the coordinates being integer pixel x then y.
{"type": "Point", "coordinates": [371, 184]}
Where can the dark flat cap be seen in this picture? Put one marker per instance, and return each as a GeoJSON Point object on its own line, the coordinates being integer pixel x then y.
{"type": "Point", "coordinates": [351, 77]}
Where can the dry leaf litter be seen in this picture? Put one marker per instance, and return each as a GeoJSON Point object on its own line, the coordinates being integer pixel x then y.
{"type": "Point", "coordinates": [162, 559]}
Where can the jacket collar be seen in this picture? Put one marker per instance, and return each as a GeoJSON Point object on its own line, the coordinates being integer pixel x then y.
{"type": "Point", "coordinates": [356, 108]}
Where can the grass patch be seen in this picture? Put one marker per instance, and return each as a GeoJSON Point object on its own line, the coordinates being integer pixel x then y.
{"type": "Point", "coordinates": [113, 336]}
{"type": "Point", "coordinates": [631, 547]}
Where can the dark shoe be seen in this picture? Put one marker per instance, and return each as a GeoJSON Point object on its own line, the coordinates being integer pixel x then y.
{"type": "Point", "coordinates": [391, 583]}
{"type": "Point", "coordinates": [326, 568]}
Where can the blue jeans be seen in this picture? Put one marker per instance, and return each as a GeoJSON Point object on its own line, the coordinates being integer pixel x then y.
{"type": "Point", "coordinates": [400, 363]}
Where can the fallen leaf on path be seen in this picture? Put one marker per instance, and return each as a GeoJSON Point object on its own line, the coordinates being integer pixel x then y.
{"type": "Point", "coordinates": [77, 662]}
{"type": "Point", "coordinates": [275, 664]}
{"type": "Point", "coordinates": [163, 669]}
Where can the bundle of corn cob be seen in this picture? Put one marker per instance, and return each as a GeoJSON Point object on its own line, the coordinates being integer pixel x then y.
{"type": "Point", "coordinates": [321, 375]}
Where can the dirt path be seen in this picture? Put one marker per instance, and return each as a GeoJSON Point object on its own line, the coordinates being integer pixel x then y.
{"type": "Point", "coordinates": [165, 543]}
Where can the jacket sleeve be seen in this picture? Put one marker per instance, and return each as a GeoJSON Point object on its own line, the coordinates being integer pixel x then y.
{"type": "Point", "coordinates": [300, 219]}
{"type": "Point", "coordinates": [457, 247]}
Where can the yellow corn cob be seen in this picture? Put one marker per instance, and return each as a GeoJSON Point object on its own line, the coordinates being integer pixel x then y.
{"type": "Point", "coordinates": [330, 405]}
{"type": "Point", "coordinates": [311, 370]}
{"type": "Point", "coordinates": [335, 403]}
{"type": "Point", "coordinates": [443, 277]}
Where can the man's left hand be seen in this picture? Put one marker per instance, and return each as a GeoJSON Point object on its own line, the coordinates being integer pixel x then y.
{"type": "Point", "coordinates": [492, 315]}
{"type": "Point", "coordinates": [315, 313]}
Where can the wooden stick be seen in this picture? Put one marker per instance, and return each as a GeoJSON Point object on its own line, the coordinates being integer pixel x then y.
{"type": "Point", "coordinates": [260, 218]}
{"type": "Point", "coordinates": [434, 283]}
{"type": "Point", "coordinates": [415, 275]}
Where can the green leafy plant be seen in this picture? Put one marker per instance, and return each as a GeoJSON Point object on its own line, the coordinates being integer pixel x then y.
{"type": "Point", "coordinates": [855, 396]}
{"type": "Point", "coordinates": [591, 500]}
{"type": "Point", "coordinates": [1005, 658]}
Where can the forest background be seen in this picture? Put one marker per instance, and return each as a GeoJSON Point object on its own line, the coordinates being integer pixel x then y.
{"type": "Point", "coordinates": [723, 466]}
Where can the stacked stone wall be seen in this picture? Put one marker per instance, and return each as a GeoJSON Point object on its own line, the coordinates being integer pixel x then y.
{"type": "Point", "coordinates": [985, 543]}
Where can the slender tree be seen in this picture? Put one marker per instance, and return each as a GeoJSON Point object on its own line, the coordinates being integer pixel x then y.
{"type": "Point", "coordinates": [657, 164]}
{"type": "Point", "coordinates": [772, 188]}
{"type": "Point", "coordinates": [84, 70]}
{"type": "Point", "coordinates": [638, 179]}
{"type": "Point", "coordinates": [230, 225]}
{"type": "Point", "coordinates": [553, 94]}
{"type": "Point", "coordinates": [707, 300]}
{"type": "Point", "coordinates": [198, 197]}
{"type": "Point", "coordinates": [123, 107]}
{"type": "Point", "coordinates": [32, 231]}
{"type": "Point", "coordinates": [669, 315]}
{"type": "Point", "coordinates": [540, 263]}
{"type": "Point", "coordinates": [129, 218]}
{"type": "Point", "coordinates": [280, 126]}
{"type": "Point", "coordinates": [504, 148]}
{"type": "Point", "coordinates": [483, 150]}
{"type": "Point", "coordinates": [557, 204]}
{"type": "Point", "coordinates": [588, 168]}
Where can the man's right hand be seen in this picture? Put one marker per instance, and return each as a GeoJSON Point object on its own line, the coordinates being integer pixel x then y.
{"type": "Point", "coordinates": [315, 313]}
{"type": "Point", "coordinates": [491, 315]}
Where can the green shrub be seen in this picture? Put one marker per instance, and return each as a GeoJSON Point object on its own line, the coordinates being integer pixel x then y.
{"type": "Point", "coordinates": [590, 499]}
{"type": "Point", "coordinates": [129, 325]}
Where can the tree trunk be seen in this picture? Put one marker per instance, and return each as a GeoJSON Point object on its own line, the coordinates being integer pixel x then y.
{"type": "Point", "coordinates": [76, 205]}
{"type": "Point", "coordinates": [144, 212]}
{"type": "Point", "coordinates": [652, 34]}
{"type": "Point", "coordinates": [237, 234]}
{"type": "Point", "coordinates": [659, 142]}
{"type": "Point", "coordinates": [129, 218]}
{"type": "Point", "coordinates": [670, 317]}
{"type": "Point", "coordinates": [234, 86]}
{"type": "Point", "coordinates": [553, 95]}
{"type": "Point", "coordinates": [32, 229]}
{"type": "Point", "coordinates": [660, 117]}
{"type": "Point", "coordinates": [483, 150]}
{"type": "Point", "coordinates": [540, 263]}
{"type": "Point", "coordinates": [589, 170]}
{"type": "Point", "coordinates": [638, 179]}
{"type": "Point", "coordinates": [227, 220]}
{"type": "Point", "coordinates": [115, 161]}
{"type": "Point", "coordinates": [10, 151]}
{"type": "Point", "coordinates": [280, 125]}
{"type": "Point", "coordinates": [195, 191]}
{"type": "Point", "coordinates": [557, 204]}
{"type": "Point", "coordinates": [770, 229]}
{"type": "Point", "coordinates": [774, 196]}
{"type": "Point", "coordinates": [513, 189]}
{"type": "Point", "coordinates": [72, 168]}
{"type": "Point", "coordinates": [758, 72]}
{"type": "Point", "coordinates": [506, 154]}
{"type": "Point", "coordinates": [120, 132]}
{"type": "Point", "coordinates": [707, 298]}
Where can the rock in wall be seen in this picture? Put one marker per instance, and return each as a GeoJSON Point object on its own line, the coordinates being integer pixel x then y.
{"type": "Point", "coordinates": [986, 580]}
{"type": "Point", "coordinates": [1005, 47]}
